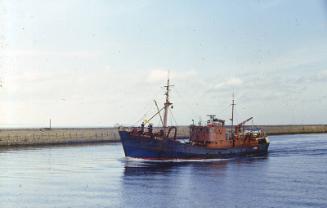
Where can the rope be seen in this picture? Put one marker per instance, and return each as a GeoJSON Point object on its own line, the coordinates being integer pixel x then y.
{"type": "Point", "coordinates": [147, 107]}
{"type": "Point", "coordinates": [172, 116]}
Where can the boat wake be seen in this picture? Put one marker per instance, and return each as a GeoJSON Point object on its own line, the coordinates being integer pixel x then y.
{"type": "Point", "coordinates": [131, 159]}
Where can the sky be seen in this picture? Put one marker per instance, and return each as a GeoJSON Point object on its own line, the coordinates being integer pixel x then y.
{"type": "Point", "coordinates": [90, 63]}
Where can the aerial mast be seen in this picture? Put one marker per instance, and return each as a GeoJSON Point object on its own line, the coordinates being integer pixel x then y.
{"type": "Point", "coordinates": [232, 119]}
{"type": "Point", "coordinates": [167, 103]}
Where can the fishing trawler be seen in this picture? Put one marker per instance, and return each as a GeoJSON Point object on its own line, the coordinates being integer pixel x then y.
{"type": "Point", "coordinates": [211, 141]}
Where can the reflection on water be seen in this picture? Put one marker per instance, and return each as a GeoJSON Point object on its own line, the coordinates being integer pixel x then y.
{"type": "Point", "coordinates": [184, 183]}
{"type": "Point", "coordinates": [291, 175]}
{"type": "Point", "coordinates": [135, 168]}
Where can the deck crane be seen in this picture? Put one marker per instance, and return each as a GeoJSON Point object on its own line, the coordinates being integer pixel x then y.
{"type": "Point", "coordinates": [239, 126]}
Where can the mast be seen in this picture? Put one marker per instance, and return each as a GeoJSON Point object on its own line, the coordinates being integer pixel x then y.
{"type": "Point", "coordinates": [232, 119]}
{"type": "Point", "coordinates": [167, 103]}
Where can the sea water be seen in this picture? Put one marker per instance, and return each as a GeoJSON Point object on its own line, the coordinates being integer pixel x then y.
{"type": "Point", "coordinates": [293, 174]}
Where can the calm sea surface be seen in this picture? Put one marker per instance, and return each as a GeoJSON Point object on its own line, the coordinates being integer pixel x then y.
{"type": "Point", "coordinates": [294, 174]}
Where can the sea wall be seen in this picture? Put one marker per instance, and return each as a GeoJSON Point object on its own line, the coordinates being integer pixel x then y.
{"type": "Point", "coordinates": [293, 129]}
{"type": "Point", "coordinates": [45, 136]}
{"type": "Point", "coordinates": [280, 129]}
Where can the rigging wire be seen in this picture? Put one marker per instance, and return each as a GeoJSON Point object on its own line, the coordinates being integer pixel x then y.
{"type": "Point", "coordinates": [173, 117]}
{"type": "Point", "coordinates": [224, 110]}
{"type": "Point", "coordinates": [148, 107]}
{"type": "Point", "coordinates": [158, 123]}
{"type": "Point", "coordinates": [193, 107]}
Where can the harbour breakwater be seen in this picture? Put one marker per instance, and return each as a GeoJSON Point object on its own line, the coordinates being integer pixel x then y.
{"type": "Point", "coordinates": [47, 136]}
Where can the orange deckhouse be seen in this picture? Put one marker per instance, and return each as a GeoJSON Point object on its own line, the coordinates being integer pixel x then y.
{"type": "Point", "coordinates": [214, 140]}
{"type": "Point", "coordinates": [215, 135]}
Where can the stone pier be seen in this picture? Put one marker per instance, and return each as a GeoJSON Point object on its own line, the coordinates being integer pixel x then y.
{"type": "Point", "coordinates": [46, 136]}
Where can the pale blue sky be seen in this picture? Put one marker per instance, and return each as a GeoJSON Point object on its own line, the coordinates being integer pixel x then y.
{"type": "Point", "coordinates": [98, 63]}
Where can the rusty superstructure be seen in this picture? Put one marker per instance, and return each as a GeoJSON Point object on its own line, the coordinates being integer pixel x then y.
{"type": "Point", "coordinates": [213, 140]}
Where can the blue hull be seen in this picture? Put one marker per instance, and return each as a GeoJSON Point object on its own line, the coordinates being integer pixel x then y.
{"type": "Point", "coordinates": [149, 148]}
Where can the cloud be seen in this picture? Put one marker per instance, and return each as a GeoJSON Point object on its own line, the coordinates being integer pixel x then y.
{"type": "Point", "coordinates": [157, 75]}
{"type": "Point", "coordinates": [232, 82]}
{"type": "Point", "coordinates": [49, 53]}
{"type": "Point", "coordinates": [80, 85]}
{"type": "Point", "coordinates": [320, 76]}
{"type": "Point", "coordinates": [265, 4]}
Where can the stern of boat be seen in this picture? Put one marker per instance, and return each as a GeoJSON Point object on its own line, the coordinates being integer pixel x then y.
{"type": "Point", "coordinates": [263, 145]}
